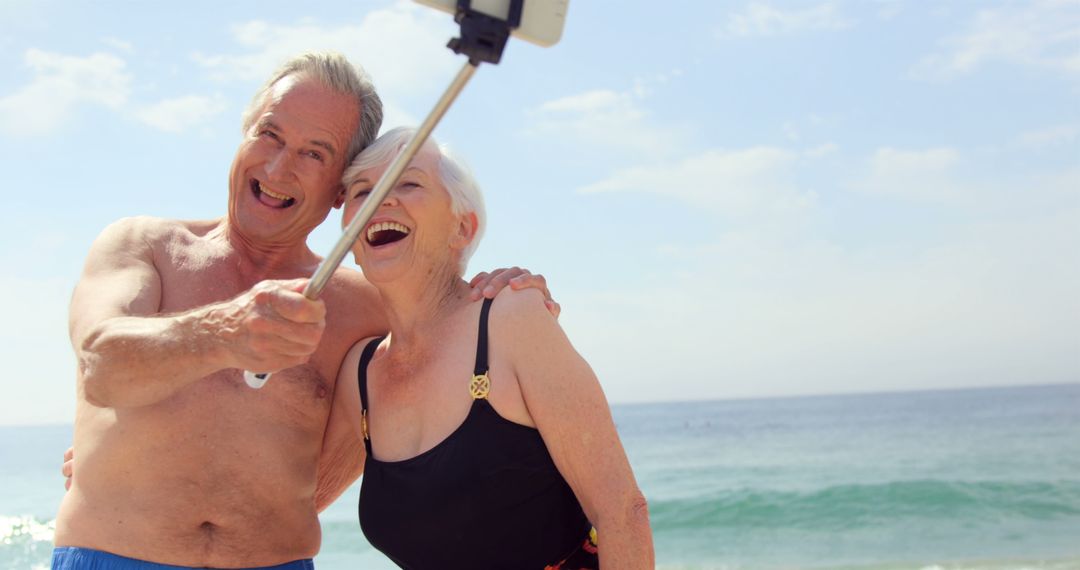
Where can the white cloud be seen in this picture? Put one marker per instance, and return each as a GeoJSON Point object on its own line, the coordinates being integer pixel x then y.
{"type": "Point", "coordinates": [919, 175]}
{"type": "Point", "coordinates": [1041, 33]}
{"type": "Point", "coordinates": [764, 19]}
{"type": "Point", "coordinates": [986, 304]}
{"type": "Point", "coordinates": [606, 119]}
{"type": "Point", "coordinates": [384, 43]}
{"type": "Point", "coordinates": [118, 44]}
{"type": "Point", "coordinates": [791, 132]}
{"type": "Point", "coordinates": [821, 150]}
{"type": "Point", "coordinates": [643, 86]}
{"type": "Point", "coordinates": [1049, 191]}
{"type": "Point", "coordinates": [181, 113]}
{"type": "Point", "coordinates": [889, 9]}
{"type": "Point", "coordinates": [595, 101]}
{"type": "Point", "coordinates": [59, 85]}
{"type": "Point", "coordinates": [735, 183]}
{"type": "Point", "coordinates": [1050, 136]}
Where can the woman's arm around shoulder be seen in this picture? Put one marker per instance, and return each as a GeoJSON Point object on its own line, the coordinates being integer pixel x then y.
{"type": "Point", "coordinates": [567, 404]}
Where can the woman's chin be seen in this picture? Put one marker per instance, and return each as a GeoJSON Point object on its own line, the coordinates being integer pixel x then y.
{"type": "Point", "coordinates": [381, 271]}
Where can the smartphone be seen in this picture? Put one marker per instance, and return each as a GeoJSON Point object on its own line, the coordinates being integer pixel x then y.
{"type": "Point", "coordinates": [541, 20]}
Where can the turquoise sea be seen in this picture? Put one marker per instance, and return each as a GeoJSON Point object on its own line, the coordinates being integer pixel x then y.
{"type": "Point", "coordinates": [960, 479]}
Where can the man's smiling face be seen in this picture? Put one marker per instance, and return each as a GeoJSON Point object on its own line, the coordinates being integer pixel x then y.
{"type": "Point", "coordinates": [287, 172]}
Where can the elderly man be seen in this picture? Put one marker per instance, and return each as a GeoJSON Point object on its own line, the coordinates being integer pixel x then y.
{"type": "Point", "coordinates": [179, 462]}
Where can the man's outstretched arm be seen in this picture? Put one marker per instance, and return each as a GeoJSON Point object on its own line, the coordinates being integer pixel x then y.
{"type": "Point", "coordinates": [129, 354]}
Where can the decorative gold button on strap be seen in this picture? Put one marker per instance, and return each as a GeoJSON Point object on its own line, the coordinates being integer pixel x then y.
{"type": "Point", "coordinates": [480, 386]}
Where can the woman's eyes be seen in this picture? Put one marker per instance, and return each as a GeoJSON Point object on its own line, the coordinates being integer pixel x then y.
{"type": "Point", "coordinates": [404, 185]}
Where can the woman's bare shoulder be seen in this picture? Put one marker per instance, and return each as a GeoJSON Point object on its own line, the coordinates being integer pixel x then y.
{"type": "Point", "coordinates": [349, 366]}
{"type": "Point", "coordinates": [521, 321]}
{"type": "Point", "coordinates": [525, 304]}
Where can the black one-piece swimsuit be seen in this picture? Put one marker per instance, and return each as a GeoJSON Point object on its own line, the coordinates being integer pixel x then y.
{"type": "Point", "coordinates": [488, 496]}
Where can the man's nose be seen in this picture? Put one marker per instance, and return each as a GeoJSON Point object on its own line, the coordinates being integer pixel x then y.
{"type": "Point", "coordinates": [279, 165]}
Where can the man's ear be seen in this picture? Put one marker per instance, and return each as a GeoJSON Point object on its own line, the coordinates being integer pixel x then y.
{"type": "Point", "coordinates": [340, 198]}
{"type": "Point", "coordinates": [466, 230]}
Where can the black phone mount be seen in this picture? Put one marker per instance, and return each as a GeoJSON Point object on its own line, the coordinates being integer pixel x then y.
{"type": "Point", "coordinates": [483, 37]}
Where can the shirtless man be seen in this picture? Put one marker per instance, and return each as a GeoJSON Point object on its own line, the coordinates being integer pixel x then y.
{"type": "Point", "coordinates": [179, 462]}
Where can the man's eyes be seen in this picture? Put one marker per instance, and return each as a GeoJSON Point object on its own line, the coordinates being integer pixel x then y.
{"type": "Point", "coordinates": [267, 133]}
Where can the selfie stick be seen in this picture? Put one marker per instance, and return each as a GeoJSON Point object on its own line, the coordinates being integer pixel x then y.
{"type": "Point", "coordinates": [482, 39]}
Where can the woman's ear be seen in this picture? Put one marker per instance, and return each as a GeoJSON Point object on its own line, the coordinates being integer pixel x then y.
{"type": "Point", "coordinates": [466, 230]}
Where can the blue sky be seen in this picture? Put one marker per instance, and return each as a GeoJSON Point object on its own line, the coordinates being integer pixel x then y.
{"type": "Point", "coordinates": [730, 199]}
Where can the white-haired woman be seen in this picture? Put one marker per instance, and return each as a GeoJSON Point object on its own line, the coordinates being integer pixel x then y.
{"type": "Point", "coordinates": [489, 443]}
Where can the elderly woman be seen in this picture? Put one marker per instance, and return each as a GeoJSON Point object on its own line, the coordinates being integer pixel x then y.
{"type": "Point", "coordinates": [489, 443]}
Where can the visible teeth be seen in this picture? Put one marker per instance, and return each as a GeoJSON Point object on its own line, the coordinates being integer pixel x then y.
{"type": "Point", "coordinates": [272, 194]}
{"type": "Point", "coordinates": [384, 226]}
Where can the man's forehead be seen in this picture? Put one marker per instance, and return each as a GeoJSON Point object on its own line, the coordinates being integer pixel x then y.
{"type": "Point", "coordinates": [300, 103]}
{"type": "Point", "coordinates": [282, 86]}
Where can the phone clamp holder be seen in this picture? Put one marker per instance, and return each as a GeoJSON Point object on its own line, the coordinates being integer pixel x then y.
{"type": "Point", "coordinates": [483, 37]}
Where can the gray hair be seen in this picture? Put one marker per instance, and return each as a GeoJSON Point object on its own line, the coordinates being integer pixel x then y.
{"type": "Point", "coordinates": [334, 71]}
{"type": "Point", "coordinates": [454, 174]}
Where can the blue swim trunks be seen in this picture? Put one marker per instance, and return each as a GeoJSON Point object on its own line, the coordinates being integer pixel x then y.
{"type": "Point", "coordinates": [75, 558]}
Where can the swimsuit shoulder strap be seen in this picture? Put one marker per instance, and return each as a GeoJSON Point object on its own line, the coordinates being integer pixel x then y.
{"type": "Point", "coordinates": [361, 378]}
{"type": "Point", "coordinates": [481, 383]}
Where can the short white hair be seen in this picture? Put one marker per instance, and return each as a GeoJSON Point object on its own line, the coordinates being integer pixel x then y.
{"type": "Point", "coordinates": [454, 174]}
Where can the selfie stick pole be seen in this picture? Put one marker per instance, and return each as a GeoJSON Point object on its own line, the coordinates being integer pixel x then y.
{"type": "Point", "coordinates": [482, 39]}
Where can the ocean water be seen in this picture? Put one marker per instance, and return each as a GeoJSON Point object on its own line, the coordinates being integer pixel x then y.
{"type": "Point", "coordinates": [985, 479]}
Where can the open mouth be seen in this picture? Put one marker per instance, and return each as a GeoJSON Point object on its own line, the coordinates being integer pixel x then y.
{"type": "Point", "coordinates": [383, 233]}
{"type": "Point", "coordinates": [268, 197]}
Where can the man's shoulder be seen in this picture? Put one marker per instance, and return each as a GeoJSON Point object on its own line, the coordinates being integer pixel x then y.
{"type": "Point", "coordinates": [144, 237]}
{"type": "Point", "coordinates": [146, 228]}
{"type": "Point", "coordinates": [153, 226]}
{"type": "Point", "coordinates": [350, 292]}
{"type": "Point", "coordinates": [152, 230]}
{"type": "Point", "coordinates": [349, 281]}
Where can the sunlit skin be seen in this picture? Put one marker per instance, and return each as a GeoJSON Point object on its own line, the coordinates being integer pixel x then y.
{"type": "Point", "coordinates": [179, 462]}
{"type": "Point", "coordinates": [419, 203]}
{"type": "Point", "coordinates": [293, 150]}
{"type": "Point", "coordinates": [417, 380]}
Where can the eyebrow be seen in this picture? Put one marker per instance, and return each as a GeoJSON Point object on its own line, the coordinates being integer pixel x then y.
{"type": "Point", "coordinates": [269, 124]}
{"type": "Point", "coordinates": [366, 179]}
{"type": "Point", "coordinates": [323, 144]}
